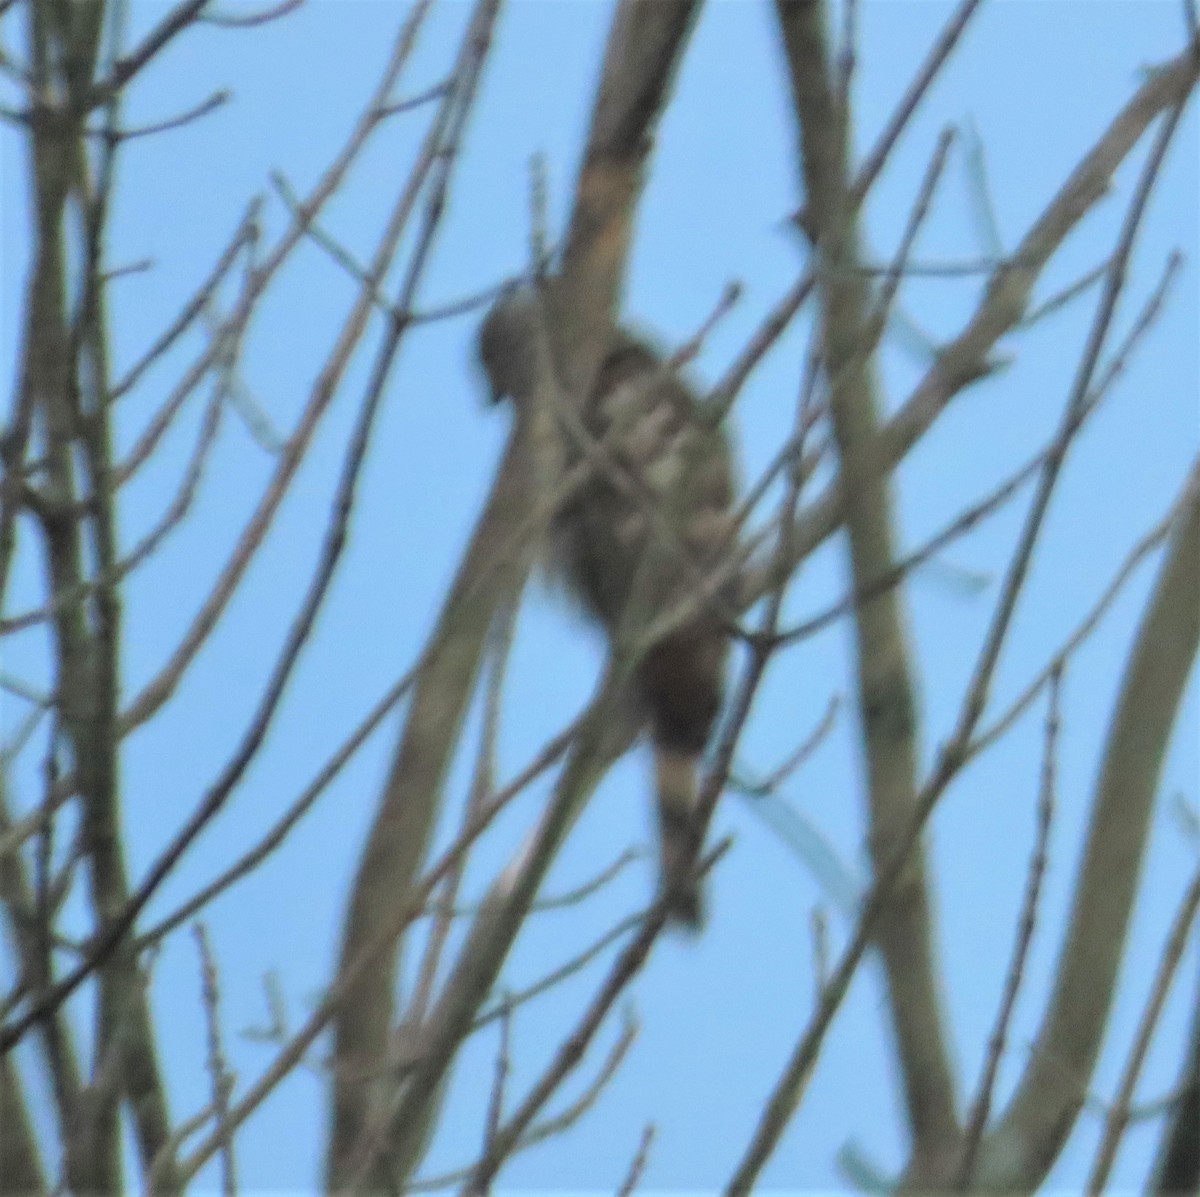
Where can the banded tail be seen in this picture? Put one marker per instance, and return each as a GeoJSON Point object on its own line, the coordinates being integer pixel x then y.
{"type": "Point", "coordinates": [678, 836]}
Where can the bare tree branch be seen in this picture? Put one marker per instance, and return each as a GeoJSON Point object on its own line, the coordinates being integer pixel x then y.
{"type": "Point", "coordinates": [1177, 1170]}
{"type": "Point", "coordinates": [56, 1041]}
{"type": "Point", "coordinates": [160, 688]}
{"type": "Point", "coordinates": [20, 1163]}
{"type": "Point", "coordinates": [887, 703]}
{"type": "Point", "coordinates": [645, 42]}
{"type": "Point", "coordinates": [170, 27]}
{"type": "Point", "coordinates": [964, 360]}
{"type": "Point", "coordinates": [221, 1079]}
{"type": "Point", "coordinates": [112, 935]}
{"type": "Point", "coordinates": [1121, 1108]}
{"type": "Point", "coordinates": [1022, 1147]}
{"type": "Point", "coordinates": [981, 1106]}
{"type": "Point", "coordinates": [569, 1056]}
{"type": "Point", "coordinates": [939, 53]}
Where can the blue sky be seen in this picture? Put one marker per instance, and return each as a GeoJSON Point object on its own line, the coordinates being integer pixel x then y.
{"type": "Point", "coordinates": [1038, 80]}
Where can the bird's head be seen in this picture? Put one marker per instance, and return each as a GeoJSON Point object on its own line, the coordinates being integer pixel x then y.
{"type": "Point", "coordinates": [508, 342]}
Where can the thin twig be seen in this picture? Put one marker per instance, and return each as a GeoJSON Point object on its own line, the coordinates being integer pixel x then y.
{"type": "Point", "coordinates": [482, 786]}
{"type": "Point", "coordinates": [395, 107]}
{"type": "Point", "coordinates": [161, 687]}
{"type": "Point", "coordinates": [819, 926]}
{"type": "Point", "coordinates": [965, 522]}
{"type": "Point", "coordinates": [573, 966]}
{"type": "Point", "coordinates": [539, 221]}
{"type": "Point", "coordinates": [997, 729]}
{"type": "Point", "coordinates": [1062, 298]}
{"type": "Point", "coordinates": [570, 897]}
{"type": "Point", "coordinates": [230, 21]}
{"type": "Point", "coordinates": [218, 1069]}
{"type": "Point", "coordinates": [552, 1126]}
{"type": "Point", "coordinates": [556, 1124]}
{"type": "Point", "coordinates": [124, 69]}
{"type": "Point", "coordinates": [1118, 1116]}
{"type": "Point", "coordinates": [981, 1106]}
{"type": "Point", "coordinates": [722, 396]}
{"type": "Point", "coordinates": [808, 746]}
{"type": "Point", "coordinates": [362, 276]}
{"type": "Point", "coordinates": [549, 753]}
{"type": "Point", "coordinates": [568, 1056]}
{"type": "Point", "coordinates": [245, 234]}
{"type": "Point", "coordinates": [217, 100]}
{"type": "Point", "coordinates": [638, 1164]}
{"type": "Point", "coordinates": [294, 1050]}
{"type": "Point", "coordinates": [141, 266]}
{"type": "Point", "coordinates": [495, 1109]}
{"type": "Point", "coordinates": [938, 54]}
{"type": "Point", "coordinates": [441, 164]}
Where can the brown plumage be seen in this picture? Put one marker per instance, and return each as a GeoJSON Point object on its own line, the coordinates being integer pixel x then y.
{"type": "Point", "coordinates": [636, 539]}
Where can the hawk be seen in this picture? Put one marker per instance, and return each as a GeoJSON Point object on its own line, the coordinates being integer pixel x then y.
{"type": "Point", "coordinates": [651, 521]}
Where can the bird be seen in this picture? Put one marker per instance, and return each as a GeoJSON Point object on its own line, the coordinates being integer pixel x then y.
{"type": "Point", "coordinates": [652, 518]}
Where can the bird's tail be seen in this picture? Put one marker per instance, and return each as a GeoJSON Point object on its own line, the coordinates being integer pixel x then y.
{"type": "Point", "coordinates": [678, 835]}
